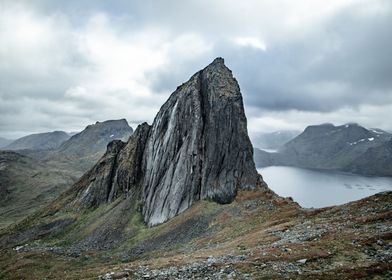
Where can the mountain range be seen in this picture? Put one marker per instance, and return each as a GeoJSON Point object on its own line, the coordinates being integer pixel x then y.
{"type": "Point", "coordinates": [26, 185]}
{"type": "Point", "coordinates": [181, 199]}
{"type": "Point", "coordinates": [49, 163]}
{"type": "Point", "coordinates": [83, 150]}
{"type": "Point", "coordinates": [348, 148]}
{"type": "Point", "coordinates": [79, 152]}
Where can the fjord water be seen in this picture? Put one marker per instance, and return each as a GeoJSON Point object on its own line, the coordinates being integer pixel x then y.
{"type": "Point", "coordinates": [311, 188]}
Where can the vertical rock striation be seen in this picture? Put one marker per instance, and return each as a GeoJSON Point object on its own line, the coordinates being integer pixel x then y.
{"type": "Point", "coordinates": [197, 148]}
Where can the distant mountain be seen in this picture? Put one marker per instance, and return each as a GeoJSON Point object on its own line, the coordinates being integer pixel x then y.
{"type": "Point", "coordinates": [328, 147]}
{"type": "Point", "coordinates": [72, 133]}
{"type": "Point", "coordinates": [273, 140]}
{"type": "Point", "coordinates": [375, 161]}
{"type": "Point", "coordinates": [83, 149]}
{"type": "Point", "coordinates": [263, 158]}
{"type": "Point", "coordinates": [4, 142]}
{"type": "Point", "coordinates": [32, 177]}
{"type": "Point", "coordinates": [27, 184]}
{"type": "Point", "coordinates": [39, 141]}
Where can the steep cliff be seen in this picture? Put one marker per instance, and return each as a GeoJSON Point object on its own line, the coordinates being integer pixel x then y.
{"type": "Point", "coordinates": [197, 148]}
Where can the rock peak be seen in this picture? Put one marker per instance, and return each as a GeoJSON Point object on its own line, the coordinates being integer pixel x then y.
{"type": "Point", "coordinates": [197, 148]}
{"type": "Point", "coordinates": [218, 60]}
{"type": "Point", "coordinates": [218, 65]}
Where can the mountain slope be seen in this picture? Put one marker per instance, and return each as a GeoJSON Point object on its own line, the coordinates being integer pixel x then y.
{"type": "Point", "coordinates": [4, 142]}
{"type": "Point", "coordinates": [327, 147]}
{"type": "Point", "coordinates": [26, 185]}
{"type": "Point", "coordinates": [81, 151]}
{"type": "Point", "coordinates": [375, 161]}
{"type": "Point", "coordinates": [273, 140]}
{"type": "Point", "coordinates": [39, 141]}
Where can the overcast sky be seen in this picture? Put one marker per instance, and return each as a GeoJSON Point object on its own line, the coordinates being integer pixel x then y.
{"type": "Point", "coordinates": [66, 64]}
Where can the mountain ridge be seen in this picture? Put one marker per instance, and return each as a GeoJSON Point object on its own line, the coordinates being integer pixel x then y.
{"type": "Point", "coordinates": [83, 149]}
{"type": "Point", "coordinates": [329, 147]}
{"type": "Point", "coordinates": [39, 141]}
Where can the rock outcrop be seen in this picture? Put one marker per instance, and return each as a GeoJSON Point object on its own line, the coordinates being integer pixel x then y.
{"type": "Point", "coordinates": [197, 148]}
{"type": "Point", "coordinates": [118, 172]}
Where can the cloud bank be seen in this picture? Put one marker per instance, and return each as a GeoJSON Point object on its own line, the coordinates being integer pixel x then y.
{"type": "Point", "coordinates": [64, 65]}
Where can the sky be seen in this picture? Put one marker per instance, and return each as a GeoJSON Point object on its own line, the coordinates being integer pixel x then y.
{"type": "Point", "coordinates": [67, 64]}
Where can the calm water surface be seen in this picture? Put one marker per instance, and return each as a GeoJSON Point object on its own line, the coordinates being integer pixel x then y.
{"type": "Point", "coordinates": [318, 188]}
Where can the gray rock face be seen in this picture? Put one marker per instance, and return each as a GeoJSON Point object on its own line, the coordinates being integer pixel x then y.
{"type": "Point", "coordinates": [197, 148]}
{"type": "Point", "coordinates": [119, 171]}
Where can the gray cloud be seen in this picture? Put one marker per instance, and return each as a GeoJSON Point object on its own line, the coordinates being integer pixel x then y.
{"type": "Point", "coordinates": [66, 64]}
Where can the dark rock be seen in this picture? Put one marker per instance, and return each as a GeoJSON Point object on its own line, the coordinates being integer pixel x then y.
{"type": "Point", "coordinates": [101, 178]}
{"type": "Point", "coordinates": [130, 166]}
{"type": "Point", "coordinates": [119, 171]}
{"type": "Point", "coordinates": [197, 148]}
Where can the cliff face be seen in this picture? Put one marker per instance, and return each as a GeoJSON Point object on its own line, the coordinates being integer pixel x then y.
{"type": "Point", "coordinates": [197, 148]}
{"type": "Point", "coordinates": [118, 172]}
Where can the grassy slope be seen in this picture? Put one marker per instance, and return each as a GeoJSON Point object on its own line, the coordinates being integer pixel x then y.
{"type": "Point", "coordinates": [271, 232]}
{"type": "Point", "coordinates": [29, 185]}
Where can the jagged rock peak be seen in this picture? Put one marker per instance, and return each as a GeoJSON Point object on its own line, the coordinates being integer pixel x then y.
{"type": "Point", "coordinates": [119, 171]}
{"type": "Point", "coordinates": [197, 148]}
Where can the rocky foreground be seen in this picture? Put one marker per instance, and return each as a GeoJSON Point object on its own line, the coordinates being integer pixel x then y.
{"type": "Point", "coordinates": [251, 238]}
{"type": "Point", "coordinates": [352, 241]}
